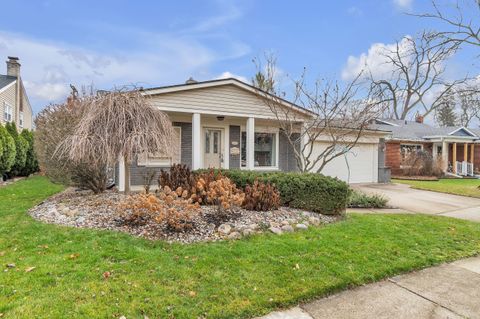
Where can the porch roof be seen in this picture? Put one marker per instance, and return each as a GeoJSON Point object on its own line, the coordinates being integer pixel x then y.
{"type": "Point", "coordinates": [421, 132]}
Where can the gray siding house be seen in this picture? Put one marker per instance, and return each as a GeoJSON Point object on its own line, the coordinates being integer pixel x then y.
{"type": "Point", "coordinates": [227, 124]}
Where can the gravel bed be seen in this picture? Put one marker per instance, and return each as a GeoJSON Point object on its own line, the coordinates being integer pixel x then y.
{"type": "Point", "coordinates": [84, 209]}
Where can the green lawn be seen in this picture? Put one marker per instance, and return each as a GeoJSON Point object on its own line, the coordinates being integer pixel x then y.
{"type": "Point", "coordinates": [235, 279]}
{"type": "Point", "coordinates": [465, 187]}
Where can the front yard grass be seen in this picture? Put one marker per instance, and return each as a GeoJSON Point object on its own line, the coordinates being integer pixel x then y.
{"type": "Point", "coordinates": [231, 279]}
{"type": "Point", "coordinates": [464, 187]}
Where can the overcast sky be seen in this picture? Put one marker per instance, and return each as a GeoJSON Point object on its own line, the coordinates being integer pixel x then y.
{"type": "Point", "coordinates": [154, 43]}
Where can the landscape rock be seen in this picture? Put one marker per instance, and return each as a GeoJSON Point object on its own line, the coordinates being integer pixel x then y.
{"type": "Point", "coordinates": [301, 227]}
{"type": "Point", "coordinates": [248, 232]}
{"type": "Point", "coordinates": [287, 228]}
{"type": "Point", "coordinates": [275, 230]}
{"type": "Point", "coordinates": [103, 211]}
{"type": "Point", "coordinates": [224, 229]}
{"type": "Point", "coordinates": [274, 224]}
{"type": "Point", "coordinates": [234, 235]}
{"type": "Point", "coordinates": [314, 220]}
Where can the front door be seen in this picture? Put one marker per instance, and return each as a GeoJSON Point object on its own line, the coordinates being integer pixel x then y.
{"type": "Point", "coordinates": [213, 148]}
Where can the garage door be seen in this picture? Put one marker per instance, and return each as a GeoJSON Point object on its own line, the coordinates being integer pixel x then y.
{"type": "Point", "coordinates": [360, 165]}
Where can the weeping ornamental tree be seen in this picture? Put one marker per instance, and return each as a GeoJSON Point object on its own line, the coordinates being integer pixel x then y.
{"type": "Point", "coordinates": [118, 124]}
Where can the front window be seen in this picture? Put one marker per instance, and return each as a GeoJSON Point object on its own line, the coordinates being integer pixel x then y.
{"type": "Point", "coordinates": [407, 149]}
{"type": "Point", "coordinates": [160, 158]}
{"type": "Point", "coordinates": [265, 149]}
{"type": "Point", "coordinates": [21, 120]}
{"type": "Point", "coordinates": [7, 112]}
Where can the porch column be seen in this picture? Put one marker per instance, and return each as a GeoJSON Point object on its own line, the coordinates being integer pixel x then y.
{"type": "Point", "coordinates": [250, 143]}
{"type": "Point", "coordinates": [472, 152]}
{"type": "Point", "coordinates": [465, 152]}
{"type": "Point", "coordinates": [121, 174]}
{"type": "Point", "coordinates": [445, 156]}
{"type": "Point", "coordinates": [196, 142]}
{"type": "Point", "coordinates": [454, 158]}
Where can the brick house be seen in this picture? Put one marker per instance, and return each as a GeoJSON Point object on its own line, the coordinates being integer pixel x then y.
{"type": "Point", "coordinates": [455, 146]}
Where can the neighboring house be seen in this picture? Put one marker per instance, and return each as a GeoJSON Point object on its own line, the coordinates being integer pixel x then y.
{"type": "Point", "coordinates": [14, 103]}
{"type": "Point", "coordinates": [456, 146]}
{"type": "Point", "coordinates": [225, 124]}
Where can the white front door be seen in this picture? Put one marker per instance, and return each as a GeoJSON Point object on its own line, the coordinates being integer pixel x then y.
{"type": "Point", "coordinates": [213, 156]}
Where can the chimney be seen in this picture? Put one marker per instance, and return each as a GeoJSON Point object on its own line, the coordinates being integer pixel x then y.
{"type": "Point", "coordinates": [419, 118]}
{"type": "Point", "coordinates": [13, 67]}
{"type": "Point", "coordinates": [190, 81]}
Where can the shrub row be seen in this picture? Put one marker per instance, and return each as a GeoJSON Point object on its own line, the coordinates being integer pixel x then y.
{"type": "Point", "coordinates": [361, 200]}
{"type": "Point", "coordinates": [309, 191]}
{"type": "Point", "coordinates": [17, 156]}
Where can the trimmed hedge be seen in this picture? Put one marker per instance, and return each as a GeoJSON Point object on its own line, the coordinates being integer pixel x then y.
{"type": "Point", "coordinates": [309, 191]}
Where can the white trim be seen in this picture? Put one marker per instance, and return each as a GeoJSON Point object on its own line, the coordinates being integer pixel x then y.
{"type": "Point", "coordinates": [7, 86]}
{"type": "Point", "coordinates": [197, 158]}
{"type": "Point", "coordinates": [465, 129]}
{"type": "Point", "coordinates": [260, 129]}
{"type": "Point", "coordinates": [8, 106]}
{"type": "Point", "coordinates": [121, 174]}
{"type": "Point", "coordinates": [215, 113]}
{"type": "Point", "coordinates": [387, 123]}
{"type": "Point", "coordinates": [448, 138]}
{"type": "Point", "coordinates": [250, 142]}
{"type": "Point", "coordinates": [224, 137]}
{"type": "Point", "coordinates": [229, 81]}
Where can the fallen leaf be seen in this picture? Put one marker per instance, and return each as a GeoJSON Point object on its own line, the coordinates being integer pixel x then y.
{"type": "Point", "coordinates": [2, 253]}
{"type": "Point", "coordinates": [73, 256]}
{"type": "Point", "coordinates": [11, 266]}
{"type": "Point", "coordinates": [192, 293]}
{"type": "Point", "coordinates": [297, 266]}
{"type": "Point", "coordinates": [106, 274]}
{"type": "Point", "coordinates": [29, 269]}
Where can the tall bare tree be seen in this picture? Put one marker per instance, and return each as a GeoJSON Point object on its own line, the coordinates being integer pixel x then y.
{"type": "Point", "coordinates": [417, 82]}
{"type": "Point", "coordinates": [469, 104]}
{"type": "Point", "coordinates": [118, 124]}
{"type": "Point", "coordinates": [461, 21]}
{"type": "Point", "coordinates": [335, 112]}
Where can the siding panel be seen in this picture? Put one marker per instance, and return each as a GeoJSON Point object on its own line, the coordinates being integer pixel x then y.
{"type": "Point", "coordinates": [226, 98]}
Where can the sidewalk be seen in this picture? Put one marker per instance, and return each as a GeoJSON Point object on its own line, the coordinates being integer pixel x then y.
{"type": "Point", "coordinates": [446, 291]}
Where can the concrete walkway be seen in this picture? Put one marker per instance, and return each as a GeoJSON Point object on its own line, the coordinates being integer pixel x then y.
{"type": "Point", "coordinates": [447, 291]}
{"type": "Point", "coordinates": [411, 200]}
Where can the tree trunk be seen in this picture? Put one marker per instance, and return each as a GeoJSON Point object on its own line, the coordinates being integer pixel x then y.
{"type": "Point", "coordinates": [127, 175]}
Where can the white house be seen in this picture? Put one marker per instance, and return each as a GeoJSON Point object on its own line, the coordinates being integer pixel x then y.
{"type": "Point", "coordinates": [226, 124]}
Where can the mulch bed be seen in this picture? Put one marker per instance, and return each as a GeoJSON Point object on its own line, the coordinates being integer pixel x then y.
{"type": "Point", "coordinates": [84, 209]}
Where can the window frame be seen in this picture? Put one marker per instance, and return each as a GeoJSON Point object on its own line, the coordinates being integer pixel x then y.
{"type": "Point", "coordinates": [7, 115]}
{"type": "Point", "coordinates": [419, 147]}
{"type": "Point", "coordinates": [21, 119]}
{"type": "Point", "coordinates": [277, 146]}
{"type": "Point", "coordinates": [152, 161]}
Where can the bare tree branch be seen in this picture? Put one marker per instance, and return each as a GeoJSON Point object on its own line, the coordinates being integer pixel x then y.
{"type": "Point", "coordinates": [336, 113]}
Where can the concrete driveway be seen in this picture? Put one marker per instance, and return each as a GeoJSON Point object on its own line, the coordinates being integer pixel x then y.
{"type": "Point", "coordinates": [425, 202]}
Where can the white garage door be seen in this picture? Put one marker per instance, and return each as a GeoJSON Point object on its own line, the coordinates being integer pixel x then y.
{"type": "Point", "coordinates": [360, 165]}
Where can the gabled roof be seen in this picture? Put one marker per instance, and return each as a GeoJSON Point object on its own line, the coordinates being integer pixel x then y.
{"type": "Point", "coordinates": [414, 131]}
{"type": "Point", "coordinates": [220, 82]}
{"type": "Point", "coordinates": [5, 80]}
